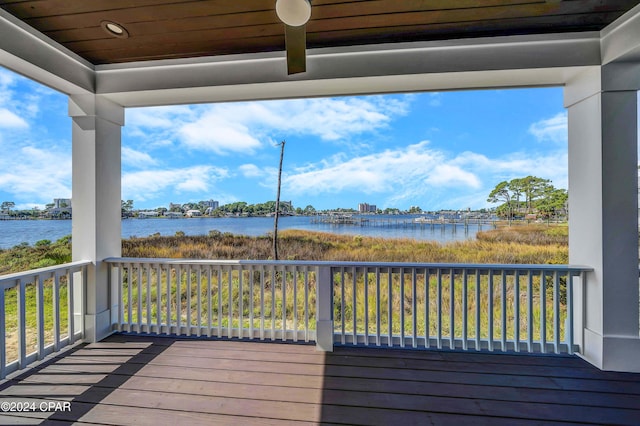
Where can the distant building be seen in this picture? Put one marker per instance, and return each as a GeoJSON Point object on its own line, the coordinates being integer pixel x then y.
{"type": "Point", "coordinates": [175, 207]}
{"type": "Point", "coordinates": [193, 213]}
{"type": "Point", "coordinates": [61, 208]}
{"type": "Point", "coordinates": [211, 204]}
{"type": "Point", "coordinates": [367, 208]}
{"type": "Point", "coordinates": [148, 213]}
{"type": "Point", "coordinates": [62, 203]}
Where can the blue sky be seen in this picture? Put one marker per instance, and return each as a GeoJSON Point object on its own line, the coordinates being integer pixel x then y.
{"type": "Point", "coordinates": [436, 150]}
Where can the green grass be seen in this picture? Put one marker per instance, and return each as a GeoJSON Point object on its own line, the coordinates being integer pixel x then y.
{"type": "Point", "coordinates": [532, 244]}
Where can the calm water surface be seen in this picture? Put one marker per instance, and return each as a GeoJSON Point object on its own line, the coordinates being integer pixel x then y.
{"type": "Point", "coordinates": [14, 232]}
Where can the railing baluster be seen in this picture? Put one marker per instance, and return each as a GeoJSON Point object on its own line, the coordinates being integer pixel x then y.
{"type": "Point", "coordinates": [158, 270]}
{"type": "Point", "coordinates": [284, 304]}
{"type": "Point", "coordinates": [262, 310]}
{"type": "Point", "coordinates": [22, 325]}
{"type": "Point", "coordinates": [414, 306]}
{"type": "Point", "coordinates": [179, 300]}
{"type": "Point", "coordinates": [543, 313]}
{"type": "Point", "coordinates": [187, 306]}
{"type": "Point", "coordinates": [390, 306]}
{"type": "Point", "coordinates": [503, 311]}
{"type": "Point", "coordinates": [354, 307]}
{"type": "Point", "coordinates": [169, 300]}
{"type": "Point", "coordinates": [366, 306]}
{"type": "Point", "coordinates": [39, 283]}
{"type": "Point", "coordinates": [149, 320]}
{"type": "Point", "coordinates": [569, 330]}
{"type": "Point", "coordinates": [516, 309]}
{"type": "Point", "coordinates": [219, 290]}
{"type": "Point", "coordinates": [306, 304]}
{"type": "Point", "coordinates": [121, 307]}
{"type": "Point", "coordinates": [556, 312]}
{"type": "Point", "coordinates": [273, 303]}
{"type": "Point", "coordinates": [240, 303]}
{"type": "Point", "coordinates": [342, 304]}
{"type": "Point", "coordinates": [402, 307]}
{"type": "Point", "coordinates": [251, 288]}
{"type": "Point", "coordinates": [199, 301]}
{"type": "Point", "coordinates": [427, 302]}
{"type": "Point", "coordinates": [56, 311]}
{"type": "Point", "coordinates": [490, 296]}
{"type": "Point", "coordinates": [139, 288]}
{"type": "Point", "coordinates": [230, 301]}
{"type": "Point", "coordinates": [378, 303]}
{"type": "Point", "coordinates": [530, 312]}
{"type": "Point", "coordinates": [478, 310]}
{"type": "Point", "coordinates": [439, 307]}
{"type": "Point", "coordinates": [129, 299]}
{"type": "Point", "coordinates": [465, 309]}
{"type": "Point", "coordinates": [209, 303]}
{"type": "Point", "coordinates": [452, 309]}
{"type": "Point", "coordinates": [3, 337]}
{"type": "Point", "coordinates": [295, 305]}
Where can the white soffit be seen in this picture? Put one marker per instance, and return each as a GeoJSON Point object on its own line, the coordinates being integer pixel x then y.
{"type": "Point", "coordinates": [621, 39]}
{"type": "Point", "coordinates": [34, 55]}
{"type": "Point", "coordinates": [526, 61]}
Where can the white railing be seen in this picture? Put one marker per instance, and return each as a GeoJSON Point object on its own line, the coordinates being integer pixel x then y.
{"type": "Point", "coordinates": [526, 308]}
{"type": "Point", "coordinates": [42, 312]}
{"type": "Point", "coordinates": [235, 299]}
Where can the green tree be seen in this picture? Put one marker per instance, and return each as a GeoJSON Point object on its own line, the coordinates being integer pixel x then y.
{"type": "Point", "coordinates": [501, 193]}
{"type": "Point", "coordinates": [6, 206]}
{"type": "Point", "coordinates": [553, 203]}
{"type": "Point", "coordinates": [126, 207]}
{"type": "Point", "coordinates": [533, 189]}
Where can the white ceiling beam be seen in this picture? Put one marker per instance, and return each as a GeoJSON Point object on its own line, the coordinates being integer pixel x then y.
{"type": "Point", "coordinates": [621, 39]}
{"type": "Point", "coordinates": [34, 55]}
{"type": "Point", "coordinates": [446, 65]}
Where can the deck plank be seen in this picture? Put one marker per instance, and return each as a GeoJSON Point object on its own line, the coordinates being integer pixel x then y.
{"type": "Point", "coordinates": [194, 381]}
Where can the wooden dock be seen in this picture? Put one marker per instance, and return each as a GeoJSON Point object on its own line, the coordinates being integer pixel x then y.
{"type": "Point", "coordinates": [413, 223]}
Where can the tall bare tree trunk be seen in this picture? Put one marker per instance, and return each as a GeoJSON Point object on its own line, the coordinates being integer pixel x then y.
{"type": "Point", "coordinates": [277, 215]}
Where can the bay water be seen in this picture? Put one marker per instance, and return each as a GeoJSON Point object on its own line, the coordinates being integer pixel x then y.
{"type": "Point", "coordinates": [15, 232]}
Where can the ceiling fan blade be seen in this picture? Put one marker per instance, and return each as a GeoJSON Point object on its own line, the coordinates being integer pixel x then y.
{"type": "Point", "coordinates": [296, 44]}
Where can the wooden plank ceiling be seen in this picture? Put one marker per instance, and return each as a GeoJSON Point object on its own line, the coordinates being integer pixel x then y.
{"type": "Point", "coordinates": [163, 29]}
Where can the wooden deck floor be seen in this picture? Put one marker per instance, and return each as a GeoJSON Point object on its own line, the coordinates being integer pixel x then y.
{"type": "Point", "coordinates": [156, 381]}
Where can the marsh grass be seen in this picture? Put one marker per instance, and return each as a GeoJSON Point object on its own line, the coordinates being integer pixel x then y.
{"type": "Point", "coordinates": [288, 298]}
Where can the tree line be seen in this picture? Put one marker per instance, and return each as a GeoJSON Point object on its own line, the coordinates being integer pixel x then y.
{"type": "Point", "coordinates": [529, 195]}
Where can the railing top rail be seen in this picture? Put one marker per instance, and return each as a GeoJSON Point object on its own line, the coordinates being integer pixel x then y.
{"type": "Point", "coordinates": [471, 266]}
{"type": "Point", "coordinates": [11, 278]}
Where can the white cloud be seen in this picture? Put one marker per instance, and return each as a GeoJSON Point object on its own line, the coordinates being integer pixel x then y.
{"type": "Point", "coordinates": [211, 132]}
{"type": "Point", "coordinates": [149, 184]}
{"type": "Point", "coordinates": [406, 170]}
{"type": "Point", "coordinates": [131, 157]}
{"type": "Point", "coordinates": [451, 175]}
{"type": "Point", "coordinates": [435, 99]}
{"type": "Point", "coordinates": [250, 171]}
{"type": "Point", "coordinates": [10, 120]}
{"type": "Point", "coordinates": [553, 129]}
{"type": "Point", "coordinates": [422, 174]}
{"type": "Point", "coordinates": [36, 175]}
{"type": "Point", "coordinates": [248, 126]}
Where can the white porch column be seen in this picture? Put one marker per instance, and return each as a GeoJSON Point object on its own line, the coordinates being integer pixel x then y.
{"type": "Point", "coordinates": [96, 200]}
{"type": "Point", "coordinates": [603, 210]}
